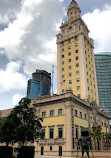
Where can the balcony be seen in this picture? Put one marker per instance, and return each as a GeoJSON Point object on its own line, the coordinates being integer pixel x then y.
{"type": "Point", "coordinates": [52, 141]}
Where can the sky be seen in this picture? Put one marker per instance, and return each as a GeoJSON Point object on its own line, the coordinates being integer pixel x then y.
{"type": "Point", "coordinates": [28, 30]}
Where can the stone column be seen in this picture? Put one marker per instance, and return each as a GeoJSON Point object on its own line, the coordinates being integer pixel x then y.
{"type": "Point", "coordinates": [68, 129]}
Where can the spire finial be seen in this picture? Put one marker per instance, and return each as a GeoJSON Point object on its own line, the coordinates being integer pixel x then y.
{"type": "Point", "coordinates": [73, 0]}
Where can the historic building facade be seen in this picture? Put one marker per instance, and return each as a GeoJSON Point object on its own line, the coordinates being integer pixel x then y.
{"type": "Point", "coordinates": [64, 116]}
{"type": "Point", "coordinates": [75, 57]}
{"type": "Point", "coordinates": [76, 104]}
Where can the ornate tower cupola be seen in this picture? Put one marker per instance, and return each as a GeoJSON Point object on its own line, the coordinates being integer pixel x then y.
{"type": "Point", "coordinates": [73, 10]}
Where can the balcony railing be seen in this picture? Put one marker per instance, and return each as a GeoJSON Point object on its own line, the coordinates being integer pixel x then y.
{"type": "Point", "coordinates": [52, 141]}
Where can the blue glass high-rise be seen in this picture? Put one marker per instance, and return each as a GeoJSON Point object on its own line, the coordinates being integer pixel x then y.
{"type": "Point", "coordinates": [103, 73]}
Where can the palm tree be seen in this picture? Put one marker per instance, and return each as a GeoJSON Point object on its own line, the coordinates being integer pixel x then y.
{"type": "Point", "coordinates": [96, 135]}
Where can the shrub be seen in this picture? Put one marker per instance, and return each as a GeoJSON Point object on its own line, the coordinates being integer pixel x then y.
{"type": "Point", "coordinates": [6, 152]}
{"type": "Point", "coordinates": [26, 152]}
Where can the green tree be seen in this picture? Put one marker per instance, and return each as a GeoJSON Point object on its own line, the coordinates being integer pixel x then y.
{"type": "Point", "coordinates": [22, 125]}
{"type": "Point", "coordinates": [2, 121]}
{"type": "Point", "coordinates": [96, 135]}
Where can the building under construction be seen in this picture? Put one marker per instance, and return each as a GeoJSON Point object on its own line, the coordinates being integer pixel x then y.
{"type": "Point", "coordinates": [39, 85]}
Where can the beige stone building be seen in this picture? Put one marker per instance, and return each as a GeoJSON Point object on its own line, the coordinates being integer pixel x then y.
{"type": "Point", "coordinates": [64, 116]}
{"type": "Point", "coordinates": [74, 108]}
{"type": "Point", "coordinates": [75, 57]}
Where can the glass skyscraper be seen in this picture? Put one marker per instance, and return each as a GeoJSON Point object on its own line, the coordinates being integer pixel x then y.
{"type": "Point", "coordinates": [103, 72]}
{"type": "Point", "coordinates": [39, 85]}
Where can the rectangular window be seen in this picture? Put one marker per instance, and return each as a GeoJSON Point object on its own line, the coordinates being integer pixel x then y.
{"type": "Point", "coordinates": [85, 116]}
{"type": "Point", "coordinates": [62, 56]}
{"type": "Point", "coordinates": [76, 132]}
{"type": "Point", "coordinates": [60, 132]}
{"type": "Point", "coordinates": [60, 112]}
{"type": "Point", "coordinates": [77, 65]}
{"type": "Point", "coordinates": [79, 96]}
{"type": "Point", "coordinates": [77, 58]}
{"type": "Point", "coordinates": [63, 82]}
{"type": "Point", "coordinates": [69, 60]}
{"type": "Point", "coordinates": [62, 76]}
{"type": "Point", "coordinates": [62, 69]}
{"type": "Point", "coordinates": [80, 114]}
{"type": "Point", "coordinates": [78, 79]}
{"type": "Point", "coordinates": [69, 41]}
{"type": "Point", "coordinates": [43, 114]}
{"type": "Point", "coordinates": [50, 148]}
{"type": "Point", "coordinates": [76, 44]}
{"type": "Point", "coordinates": [63, 50]}
{"type": "Point", "coordinates": [62, 91]}
{"type": "Point", "coordinates": [70, 67]}
{"type": "Point", "coordinates": [77, 72]}
{"type": "Point", "coordinates": [75, 112]}
{"type": "Point", "coordinates": [78, 87]}
{"type": "Point", "coordinates": [52, 113]}
{"type": "Point", "coordinates": [69, 53]}
{"type": "Point", "coordinates": [70, 81]}
{"type": "Point", "coordinates": [43, 134]}
{"type": "Point", "coordinates": [70, 74]}
{"type": "Point", "coordinates": [77, 51]}
{"type": "Point", "coordinates": [69, 47]}
{"type": "Point", "coordinates": [75, 38]}
{"type": "Point", "coordinates": [62, 62]}
{"type": "Point", "coordinates": [51, 131]}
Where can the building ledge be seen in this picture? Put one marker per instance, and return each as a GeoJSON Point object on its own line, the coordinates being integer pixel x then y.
{"type": "Point", "coordinates": [52, 141]}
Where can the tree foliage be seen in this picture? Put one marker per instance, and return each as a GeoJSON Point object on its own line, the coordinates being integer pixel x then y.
{"type": "Point", "coordinates": [96, 134]}
{"type": "Point", "coordinates": [22, 125]}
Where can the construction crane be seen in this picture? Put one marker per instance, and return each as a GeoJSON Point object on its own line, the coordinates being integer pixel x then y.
{"type": "Point", "coordinates": [52, 76]}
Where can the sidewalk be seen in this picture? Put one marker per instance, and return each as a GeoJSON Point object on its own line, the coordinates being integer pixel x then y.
{"type": "Point", "coordinates": [52, 157]}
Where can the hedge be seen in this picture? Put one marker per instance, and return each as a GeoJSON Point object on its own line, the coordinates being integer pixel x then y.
{"type": "Point", "coordinates": [6, 152]}
{"type": "Point", "coordinates": [26, 152]}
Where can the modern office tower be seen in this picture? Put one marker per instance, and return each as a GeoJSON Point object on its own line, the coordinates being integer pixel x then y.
{"type": "Point", "coordinates": [34, 89]}
{"type": "Point", "coordinates": [103, 72]}
{"type": "Point", "coordinates": [39, 85]}
{"type": "Point", "coordinates": [75, 57]}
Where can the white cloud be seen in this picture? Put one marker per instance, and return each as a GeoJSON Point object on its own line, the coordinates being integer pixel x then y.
{"type": "Point", "coordinates": [33, 33]}
{"type": "Point", "coordinates": [11, 78]}
{"type": "Point", "coordinates": [99, 24]}
{"type": "Point", "coordinates": [16, 98]}
{"type": "Point", "coordinates": [8, 10]}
